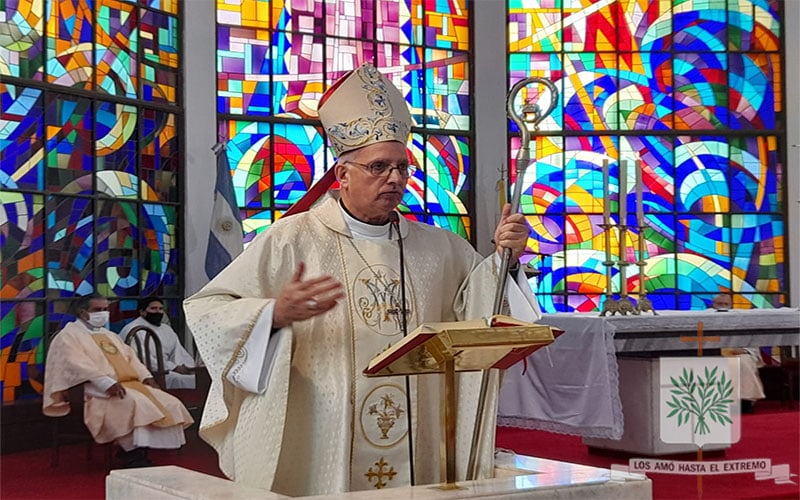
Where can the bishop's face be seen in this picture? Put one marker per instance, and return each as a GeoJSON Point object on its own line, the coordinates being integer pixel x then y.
{"type": "Point", "coordinates": [370, 197]}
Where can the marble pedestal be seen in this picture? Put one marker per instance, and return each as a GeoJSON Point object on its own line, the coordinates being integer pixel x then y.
{"type": "Point", "coordinates": [517, 476]}
{"type": "Point", "coordinates": [639, 393]}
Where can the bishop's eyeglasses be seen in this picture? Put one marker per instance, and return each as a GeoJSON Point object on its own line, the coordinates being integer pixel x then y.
{"type": "Point", "coordinates": [382, 168]}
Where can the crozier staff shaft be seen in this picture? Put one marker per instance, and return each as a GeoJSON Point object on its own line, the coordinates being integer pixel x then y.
{"type": "Point", "coordinates": [531, 113]}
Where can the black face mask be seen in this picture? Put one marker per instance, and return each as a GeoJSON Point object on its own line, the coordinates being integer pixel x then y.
{"type": "Point", "coordinates": [153, 318]}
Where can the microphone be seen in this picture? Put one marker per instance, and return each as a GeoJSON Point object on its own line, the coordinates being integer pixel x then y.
{"type": "Point", "coordinates": [394, 221]}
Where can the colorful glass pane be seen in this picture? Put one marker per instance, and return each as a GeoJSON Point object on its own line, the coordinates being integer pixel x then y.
{"type": "Point", "coordinates": [447, 89]}
{"type": "Point", "coordinates": [297, 68]}
{"type": "Point", "coordinates": [117, 248]}
{"type": "Point", "coordinates": [169, 6]}
{"type": "Point", "coordinates": [68, 132]}
{"type": "Point", "coordinates": [248, 157]}
{"type": "Point", "coordinates": [402, 64]}
{"type": "Point", "coordinates": [758, 252]}
{"type": "Point", "coordinates": [699, 25]}
{"type": "Point", "coordinates": [534, 25]}
{"type": "Point", "coordinates": [350, 19]}
{"type": "Point", "coordinates": [159, 250]}
{"type": "Point", "coordinates": [588, 25]}
{"type": "Point", "coordinates": [298, 156]}
{"type": "Point", "coordinates": [755, 174]}
{"type": "Point", "coordinates": [158, 35]}
{"type": "Point", "coordinates": [22, 38]}
{"type": "Point", "coordinates": [446, 24]}
{"type": "Point", "coordinates": [394, 22]}
{"type": "Point", "coordinates": [752, 90]}
{"type": "Point", "coordinates": [522, 66]}
{"type": "Point", "coordinates": [116, 48]}
{"type": "Point", "coordinates": [254, 222]}
{"type": "Point", "coordinates": [706, 238]}
{"type": "Point", "coordinates": [21, 138]}
{"type": "Point", "coordinates": [455, 224]}
{"type": "Point", "coordinates": [22, 349]}
{"type": "Point", "coordinates": [116, 147]}
{"type": "Point", "coordinates": [159, 156]}
{"type": "Point", "coordinates": [21, 245]}
{"type": "Point", "coordinates": [543, 183]}
{"type": "Point", "coordinates": [701, 91]}
{"type": "Point", "coordinates": [69, 43]}
{"type": "Point", "coordinates": [245, 13]}
{"type": "Point", "coordinates": [69, 246]}
{"type": "Point", "coordinates": [304, 16]}
{"type": "Point", "coordinates": [345, 55]}
{"type": "Point", "coordinates": [591, 88]}
{"type": "Point", "coordinates": [447, 165]}
{"type": "Point", "coordinates": [754, 25]}
{"type": "Point", "coordinates": [701, 170]}
{"type": "Point", "coordinates": [644, 26]}
{"type": "Point", "coordinates": [243, 69]}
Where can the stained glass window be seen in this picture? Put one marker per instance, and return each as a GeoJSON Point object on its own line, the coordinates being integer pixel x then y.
{"type": "Point", "coordinates": [692, 91]}
{"type": "Point", "coordinates": [90, 168]}
{"type": "Point", "coordinates": [275, 59]}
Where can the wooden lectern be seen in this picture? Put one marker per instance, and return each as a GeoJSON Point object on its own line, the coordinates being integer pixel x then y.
{"type": "Point", "coordinates": [447, 348]}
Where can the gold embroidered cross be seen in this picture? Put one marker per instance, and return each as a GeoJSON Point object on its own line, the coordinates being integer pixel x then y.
{"type": "Point", "coordinates": [380, 474]}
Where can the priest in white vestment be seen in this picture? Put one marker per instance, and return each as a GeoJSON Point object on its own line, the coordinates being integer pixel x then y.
{"type": "Point", "coordinates": [751, 389]}
{"type": "Point", "coordinates": [287, 328]}
{"type": "Point", "coordinates": [178, 364]}
{"type": "Point", "coordinates": [122, 402]}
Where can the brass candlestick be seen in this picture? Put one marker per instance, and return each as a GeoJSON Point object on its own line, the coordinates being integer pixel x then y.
{"type": "Point", "coordinates": [609, 305]}
{"type": "Point", "coordinates": [625, 305]}
{"type": "Point", "coordinates": [643, 304]}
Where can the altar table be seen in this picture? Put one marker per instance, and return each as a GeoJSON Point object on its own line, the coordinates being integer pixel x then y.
{"type": "Point", "coordinates": [516, 477]}
{"type": "Point", "coordinates": [572, 386]}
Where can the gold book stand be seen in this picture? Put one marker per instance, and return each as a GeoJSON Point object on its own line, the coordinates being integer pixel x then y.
{"type": "Point", "coordinates": [447, 348]}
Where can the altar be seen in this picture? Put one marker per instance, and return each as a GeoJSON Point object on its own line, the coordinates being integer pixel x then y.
{"type": "Point", "coordinates": [516, 476]}
{"type": "Point", "coordinates": [573, 386]}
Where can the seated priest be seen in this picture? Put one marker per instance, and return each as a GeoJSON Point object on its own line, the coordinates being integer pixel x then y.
{"type": "Point", "coordinates": [178, 364]}
{"type": "Point", "coordinates": [122, 402]}
{"type": "Point", "coordinates": [750, 387]}
{"type": "Point", "coordinates": [287, 328]}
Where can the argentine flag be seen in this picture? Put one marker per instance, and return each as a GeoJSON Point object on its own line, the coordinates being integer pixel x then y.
{"type": "Point", "coordinates": [225, 240]}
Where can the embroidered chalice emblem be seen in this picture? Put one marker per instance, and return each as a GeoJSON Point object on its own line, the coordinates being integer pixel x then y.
{"type": "Point", "coordinates": [386, 412]}
{"type": "Point", "coordinates": [383, 417]}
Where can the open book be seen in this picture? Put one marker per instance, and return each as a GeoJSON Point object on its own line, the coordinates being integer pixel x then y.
{"type": "Point", "coordinates": [497, 342]}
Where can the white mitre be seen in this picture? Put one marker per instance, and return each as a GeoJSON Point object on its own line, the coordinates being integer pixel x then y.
{"type": "Point", "coordinates": [362, 108]}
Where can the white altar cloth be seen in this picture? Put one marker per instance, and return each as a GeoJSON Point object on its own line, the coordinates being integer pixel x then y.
{"type": "Point", "coordinates": [569, 387]}
{"type": "Point", "coordinates": [572, 386]}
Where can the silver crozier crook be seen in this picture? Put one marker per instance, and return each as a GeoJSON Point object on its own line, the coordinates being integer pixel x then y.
{"type": "Point", "coordinates": [531, 113]}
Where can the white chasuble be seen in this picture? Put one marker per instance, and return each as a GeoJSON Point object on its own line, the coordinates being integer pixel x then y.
{"type": "Point", "coordinates": [312, 423]}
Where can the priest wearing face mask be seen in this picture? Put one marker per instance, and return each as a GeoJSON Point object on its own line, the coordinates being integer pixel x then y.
{"type": "Point", "coordinates": [178, 364]}
{"type": "Point", "coordinates": [122, 402]}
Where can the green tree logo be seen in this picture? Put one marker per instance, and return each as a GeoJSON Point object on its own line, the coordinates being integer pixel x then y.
{"type": "Point", "coordinates": [701, 397]}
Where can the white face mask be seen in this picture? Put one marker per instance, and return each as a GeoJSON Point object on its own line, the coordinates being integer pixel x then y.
{"type": "Point", "coordinates": [98, 319]}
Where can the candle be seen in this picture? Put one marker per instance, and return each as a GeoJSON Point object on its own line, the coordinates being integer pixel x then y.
{"type": "Point", "coordinates": [606, 196]}
{"type": "Point", "coordinates": [639, 199]}
{"type": "Point", "coordinates": [623, 191]}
